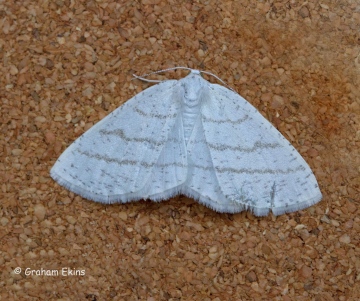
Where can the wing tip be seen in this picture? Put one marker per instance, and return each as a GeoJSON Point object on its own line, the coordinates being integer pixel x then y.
{"type": "Point", "coordinates": [297, 206]}
{"type": "Point", "coordinates": [218, 207]}
{"type": "Point", "coordinates": [76, 189]}
{"type": "Point", "coordinates": [257, 211]}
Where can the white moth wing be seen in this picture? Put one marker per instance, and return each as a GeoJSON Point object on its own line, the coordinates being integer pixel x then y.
{"type": "Point", "coordinates": [202, 183]}
{"type": "Point", "coordinates": [256, 167]}
{"type": "Point", "coordinates": [136, 152]}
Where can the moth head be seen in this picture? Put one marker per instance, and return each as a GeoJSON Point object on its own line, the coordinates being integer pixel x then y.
{"type": "Point", "coordinates": [192, 89]}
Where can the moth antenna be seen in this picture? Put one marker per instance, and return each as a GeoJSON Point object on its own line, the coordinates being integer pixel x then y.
{"type": "Point", "coordinates": [142, 77]}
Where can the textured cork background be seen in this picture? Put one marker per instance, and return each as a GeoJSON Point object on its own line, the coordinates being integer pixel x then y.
{"type": "Point", "coordinates": [66, 64]}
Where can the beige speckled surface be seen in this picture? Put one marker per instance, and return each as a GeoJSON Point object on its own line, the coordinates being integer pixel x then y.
{"type": "Point", "coordinates": [67, 64]}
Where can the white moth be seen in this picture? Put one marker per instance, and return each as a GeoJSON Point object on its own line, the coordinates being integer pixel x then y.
{"type": "Point", "coordinates": [189, 137]}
